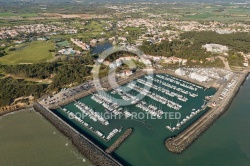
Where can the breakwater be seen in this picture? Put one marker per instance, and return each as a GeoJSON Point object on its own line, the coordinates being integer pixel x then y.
{"type": "Point", "coordinates": [120, 140]}
{"type": "Point", "coordinates": [183, 140]}
{"type": "Point", "coordinates": [86, 147]}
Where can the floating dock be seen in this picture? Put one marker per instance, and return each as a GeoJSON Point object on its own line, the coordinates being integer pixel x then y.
{"type": "Point", "coordinates": [106, 87]}
{"type": "Point", "coordinates": [85, 146]}
{"type": "Point", "coordinates": [183, 140]}
{"type": "Point", "coordinates": [175, 144]}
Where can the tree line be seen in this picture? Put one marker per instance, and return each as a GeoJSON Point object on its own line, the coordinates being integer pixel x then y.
{"type": "Point", "coordinates": [236, 41]}
{"type": "Point", "coordinates": [189, 46]}
{"type": "Point", "coordinates": [70, 73]}
{"type": "Point", "coordinates": [178, 48]}
{"type": "Point", "coordinates": [61, 74]}
{"type": "Point", "coordinates": [2, 52]}
{"type": "Point", "coordinates": [41, 71]}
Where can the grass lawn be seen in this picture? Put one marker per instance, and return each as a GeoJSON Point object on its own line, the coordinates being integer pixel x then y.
{"type": "Point", "coordinates": [29, 15]}
{"type": "Point", "coordinates": [36, 52]}
{"type": "Point", "coordinates": [6, 14]}
{"type": "Point", "coordinates": [9, 14]}
{"type": "Point", "coordinates": [200, 16]}
{"type": "Point", "coordinates": [94, 26]}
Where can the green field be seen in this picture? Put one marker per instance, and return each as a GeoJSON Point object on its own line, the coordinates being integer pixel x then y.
{"type": "Point", "coordinates": [10, 14]}
{"type": "Point", "coordinates": [29, 15]}
{"type": "Point", "coordinates": [6, 14]}
{"type": "Point", "coordinates": [36, 52]}
{"type": "Point", "coordinates": [209, 12]}
{"type": "Point", "coordinates": [94, 26]}
{"type": "Point", "coordinates": [200, 16]}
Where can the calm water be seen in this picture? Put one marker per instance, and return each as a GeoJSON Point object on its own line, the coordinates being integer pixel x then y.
{"type": "Point", "coordinates": [101, 47]}
{"type": "Point", "coordinates": [146, 145]}
{"type": "Point", "coordinates": [26, 139]}
{"type": "Point", "coordinates": [226, 143]}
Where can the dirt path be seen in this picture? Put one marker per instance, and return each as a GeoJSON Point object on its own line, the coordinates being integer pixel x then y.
{"type": "Point", "coordinates": [224, 60]}
{"type": "Point", "coordinates": [44, 81]}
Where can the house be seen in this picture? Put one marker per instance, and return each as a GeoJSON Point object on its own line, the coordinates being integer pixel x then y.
{"type": "Point", "coordinates": [67, 51]}
{"type": "Point", "coordinates": [209, 59]}
{"type": "Point", "coordinates": [184, 61]}
{"type": "Point", "coordinates": [215, 48]}
{"type": "Point", "coordinates": [128, 72]}
{"type": "Point", "coordinates": [115, 64]}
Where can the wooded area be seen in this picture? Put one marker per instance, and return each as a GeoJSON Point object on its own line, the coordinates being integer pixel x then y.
{"type": "Point", "coordinates": [61, 74]}
{"type": "Point", "coordinates": [11, 88]}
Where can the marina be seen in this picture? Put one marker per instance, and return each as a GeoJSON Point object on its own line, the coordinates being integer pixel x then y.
{"type": "Point", "coordinates": [150, 96]}
{"type": "Point", "coordinates": [124, 83]}
{"type": "Point", "coordinates": [223, 98]}
{"type": "Point", "coordinates": [167, 94]}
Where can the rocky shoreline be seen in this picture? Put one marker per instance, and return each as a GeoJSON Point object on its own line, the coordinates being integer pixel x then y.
{"type": "Point", "coordinates": [86, 147]}
{"type": "Point", "coordinates": [181, 142]}
{"type": "Point", "coordinates": [120, 140]}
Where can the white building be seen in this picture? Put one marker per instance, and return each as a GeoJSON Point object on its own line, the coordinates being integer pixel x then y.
{"type": "Point", "coordinates": [115, 64]}
{"type": "Point", "coordinates": [67, 51]}
{"type": "Point", "coordinates": [198, 77]}
{"type": "Point", "coordinates": [216, 48]}
{"type": "Point", "coordinates": [245, 64]}
{"type": "Point", "coordinates": [180, 72]}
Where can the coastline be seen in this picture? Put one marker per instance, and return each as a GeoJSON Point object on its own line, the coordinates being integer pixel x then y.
{"type": "Point", "coordinates": [14, 111]}
{"type": "Point", "coordinates": [169, 143]}
{"type": "Point", "coordinates": [85, 146]}
{"type": "Point", "coordinates": [182, 141]}
{"type": "Point", "coordinates": [27, 128]}
{"type": "Point", "coordinates": [78, 142]}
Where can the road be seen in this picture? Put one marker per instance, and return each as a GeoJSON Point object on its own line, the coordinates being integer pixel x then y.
{"type": "Point", "coordinates": [184, 139]}
{"type": "Point", "coordinates": [224, 60]}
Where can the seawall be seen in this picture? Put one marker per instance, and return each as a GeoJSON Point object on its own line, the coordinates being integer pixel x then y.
{"type": "Point", "coordinates": [183, 140]}
{"type": "Point", "coordinates": [85, 146]}
{"type": "Point", "coordinates": [119, 141]}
